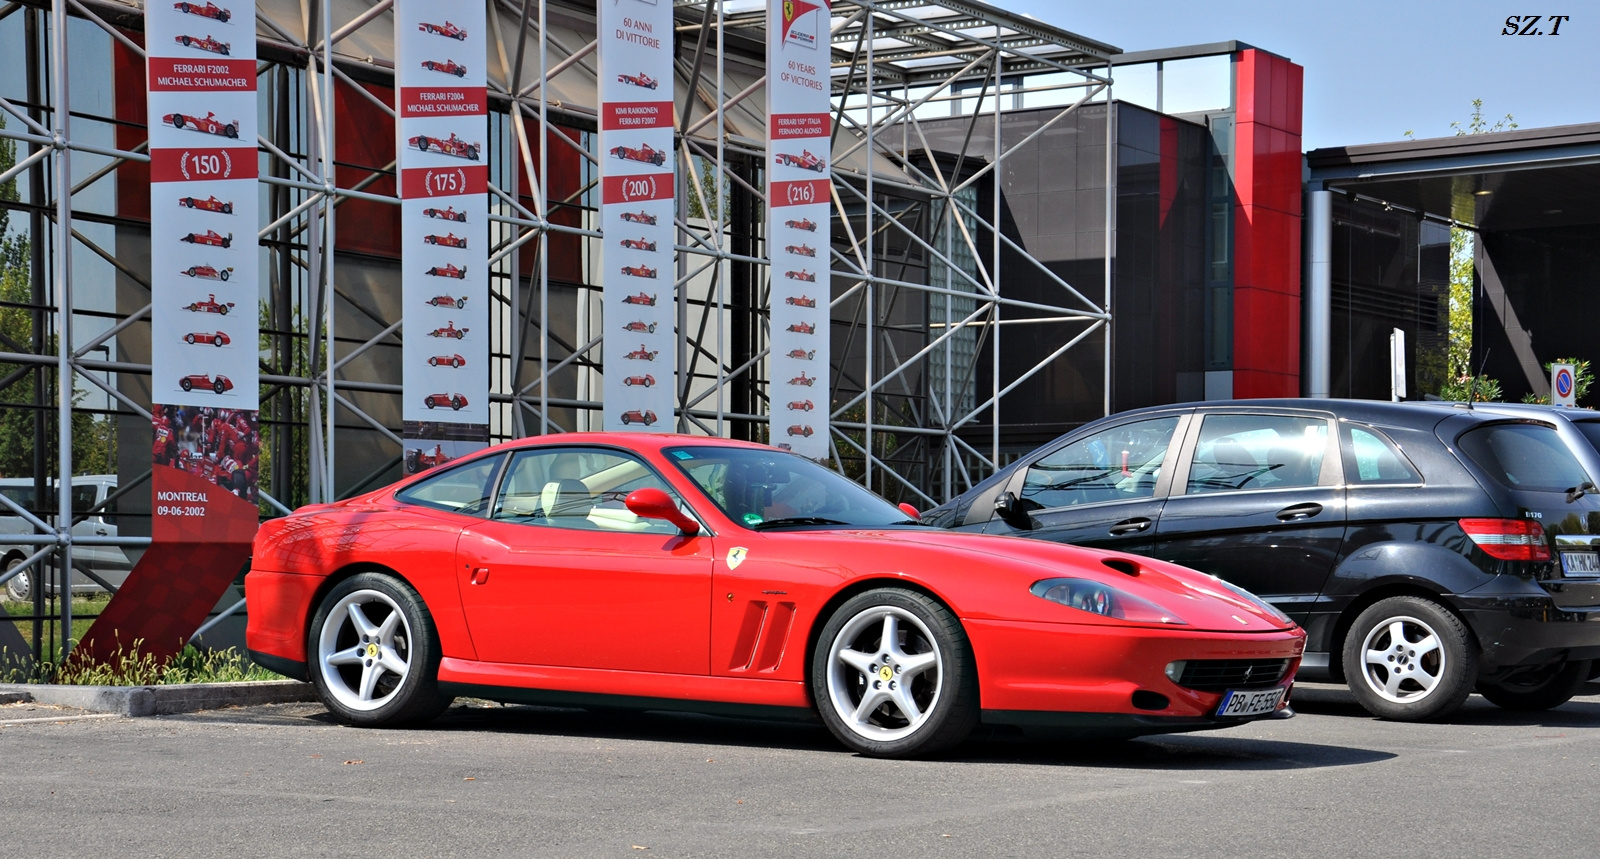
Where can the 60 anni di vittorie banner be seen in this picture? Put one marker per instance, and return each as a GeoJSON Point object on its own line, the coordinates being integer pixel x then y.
{"type": "Point", "coordinates": [799, 209]}
{"type": "Point", "coordinates": [440, 49]}
{"type": "Point", "coordinates": [637, 202]}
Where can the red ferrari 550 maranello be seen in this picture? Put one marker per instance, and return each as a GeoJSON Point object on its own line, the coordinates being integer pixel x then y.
{"type": "Point", "coordinates": [686, 573]}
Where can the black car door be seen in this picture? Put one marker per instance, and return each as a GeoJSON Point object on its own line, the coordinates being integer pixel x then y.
{"type": "Point", "coordinates": [1102, 487]}
{"type": "Point", "coordinates": [1257, 499]}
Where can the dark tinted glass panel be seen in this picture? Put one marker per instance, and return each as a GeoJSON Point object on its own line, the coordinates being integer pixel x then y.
{"type": "Point", "coordinates": [1524, 456]}
{"type": "Point", "coordinates": [1371, 458]}
{"type": "Point", "coordinates": [464, 489]}
{"type": "Point", "coordinates": [1244, 452]}
{"type": "Point", "coordinates": [1118, 464]}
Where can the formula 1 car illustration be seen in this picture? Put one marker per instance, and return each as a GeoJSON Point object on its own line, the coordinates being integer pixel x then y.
{"type": "Point", "coordinates": [208, 272]}
{"type": "Point", "coordinates": [802, 354]}
{"type": "Point", "coordinates": [800, 430]}
{"type": "Point", "coordinates": [208, 124]}
{"type": "Point", "coordinates": [784, 446]}
{"type": "Point", "coordinates": [646, 154]}
{"type": "Point", "coordinates": [220, 384]}
{"type": "Point", "coordinates": [800, 301]}
{"type": "Point", "coordinates": [210, 10]}
{"type": "Point", "coordinates": [449, 67]}
{"type": "Point", "coordinates": [451, 145]}
{"type": "Point", "coordinates": [446, 361]}
{"type": "Point", "coordinates": [640, 326]}
{"type": "Point", "coordinates": [454, 401]}
{"type": "Point", "coordinates": [417, 460]}
{"type": "Point", "coordinates": [448, 301]}
{"type": "Point", "coordinates": [638, 244]}
{"type": "Point", "coordinates": [806, 224]}
{"type": "Point", "coordinates": [803, 379]}
{"type": "Point", "coordinates": [807, 276]}
{"type": "Point", "coordinates": [449, 214]}
{"type": "Point", "coordinates": [206, 44]}
{"type": "Point", "coordinates": [644, 381]}
{"type": "Point", "coordinates": [449, 330]}
{"type": "Point", "coordinates": [218, 339]}
{"type": "Point", "coordinates": [639, 218]}
{"type": "Point", "coordinates": [641, 298]}
{"type": "Point", "coordinates": [803, 328]}
{"type": "Point", "coordinates": [805, 161]}
{"type": "Point", "coordinates": [209, 237]}
{"type": "Point", "coordinates": [641, 79]}
{"type": "Point", "coordinates": [801, 406]}
{"type": "Point", "coordinates": [449, 241]}
{"type": "Point", "coordinates": [446, 29]}
{"type": "Point", "coordinates": [210, 305]}
{"type": "Point", "coordinates": [643, 354]}
{"type": "Point", "coordinates": [448, 271]}
{"type": "Point", "coordinates": [639, 271]}
{"type": "Point", "coordinates": [635, 416]}
{"type": "Point", "coordinates": [210, 204]}
{"type": "Point", "coordinates": [802, 250]}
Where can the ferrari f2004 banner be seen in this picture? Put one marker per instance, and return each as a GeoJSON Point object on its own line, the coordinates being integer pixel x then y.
{"type": "Point", "coordinates": [444, 181]}
{"type": "Point", "coordinates": [799, 209]}
{"type": "Point", "coordinates": [636, 208]}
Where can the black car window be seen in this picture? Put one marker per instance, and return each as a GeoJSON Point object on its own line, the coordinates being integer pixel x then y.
{"type": "Point", "coordinates": [1370, 458]}
{"type": "Point", "coordinates": [582, 488]}
{"type": "Point", "coordinates": [1248, 452]}
{"type": "Point", "coordinates": [1524, 456]}
{"type": "Point", "coordinates": [1116, 464]}
{"type": "Point", "coordinates": [463, 489]}
{"type": "Point", "coordinates": [1590, 431]}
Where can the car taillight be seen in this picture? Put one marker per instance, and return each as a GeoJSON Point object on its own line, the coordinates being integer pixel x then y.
{"type": "Point", "coordinates": [1508, 539]}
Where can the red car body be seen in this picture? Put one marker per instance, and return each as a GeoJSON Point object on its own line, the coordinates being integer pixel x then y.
{"type": "Point", "coordinates": [220, 385]}
{"type": "Point", "coordinates": [801, 301]}
{"type": "Point", "coordinates": [808, 277]}
{"type": "Point", "coordinates": [216, 339]}
{"type": "Point", "coordinates": [646, 417]}
{"type": "Point", "coordinates": [801, 406]}
{"type": "Point", "coordinates": [209, 237]}
{"type": "Point", "coordinates": [449, 214]}
{"type": "Point", "coordinates": [446, 29]}
{"type": "Point", "coordinates": [210, 204]}
{"type": "Point", "coordinates": [803, 328]}
{"type": "Point", "coordinates": [802, 250]}
{"type": "Point", "coordinates": [802, 354]}
{"type": "Point", "coordinates": [209, 10]}
{"type": "Point", "coordinates": [450, 330]}
{"type": "Point", "coordinates": [451, 145]}
{"type": "Point", "coordinates": [447, 361]}
{"type": "Point", "coordinates": [800, 430]}
{"type": "Point", "coordinates": [638, 244]}
{"type": "Point", "coordinates": [725, 615]}
{"type": "Point", "coordinates": [449, 67]}
{"type": "Point", "coordinates": [641, 298]}
{"type": "Point", "coordinates": [639, 218]}
{"type": "Point", "coordinates": [454, 401]}
{"type": "Point", "coordinates": [204, 44]}
{"type": "Point", "coordinates": [646, 154]}
{"type": "Point", "coordinates": [448, 271]}
{"type": "Point", "coordinates": [208, 272]}
{"type": "Point", "coordinates": [448, 301]}
{"type": "Point", "coordinates": [645, 381]}
{"type": "Point", "coordinates": [803, 379]}
{"type": "Point", "coordinates": [210, 305]}
{"type": "Point", "coordinates": [805, 161]}
{"type": "Point", "coordinates": [644, 327]}
{"type": "Point", "coordinates": [639, 271]}
{"type": "Point", "coordinates": [208, 124]}
{"type": "Point", "coordinates": [640, 80]}
{"type": "Point", "coordinates": [806, 224]}
{"type": "Point", "coordinates": [449, 241]}
{"type": "Point", "coordinates": [642, 354]}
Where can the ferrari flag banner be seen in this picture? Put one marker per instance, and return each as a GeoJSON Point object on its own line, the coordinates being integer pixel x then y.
{"type": "Point", "coordinates": [799, 214]}
{"type": "Point", "coordinates": [637, 202]}
{"type": "Point", "coordinates": [440, 50]}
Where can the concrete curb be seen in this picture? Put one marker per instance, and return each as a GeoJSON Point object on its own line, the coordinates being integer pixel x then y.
{"type": "Point", "coordinates": [159, 700]}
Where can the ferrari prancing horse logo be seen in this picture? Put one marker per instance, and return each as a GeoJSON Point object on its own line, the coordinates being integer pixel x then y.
{"type": "Point", "coordinates": [736, 557]}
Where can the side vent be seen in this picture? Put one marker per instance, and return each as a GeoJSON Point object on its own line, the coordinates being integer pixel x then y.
{"type": "Point", "coordinates": [763, 636]}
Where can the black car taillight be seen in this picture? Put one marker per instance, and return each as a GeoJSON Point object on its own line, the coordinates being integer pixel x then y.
{"type": "Point", "coordinates": [1508, 539]}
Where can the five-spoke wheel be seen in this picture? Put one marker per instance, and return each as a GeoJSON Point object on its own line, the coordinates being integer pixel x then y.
{"type": "Point", "coordinates": [376, 653]}
{"type": "Point", "coordinates": [1408, 659]}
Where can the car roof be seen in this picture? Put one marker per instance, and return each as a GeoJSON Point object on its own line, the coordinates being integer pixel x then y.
{"type": "Point", "coordinates": [642, 442]}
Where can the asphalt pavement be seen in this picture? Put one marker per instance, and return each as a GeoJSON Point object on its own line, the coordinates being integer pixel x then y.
{"type": "Point", "coordinates": [484, 780]}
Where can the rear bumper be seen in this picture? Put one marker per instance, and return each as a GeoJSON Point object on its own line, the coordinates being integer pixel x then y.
{"type": "Point", "coordinates": [280, 608]}
{"type": "Point", "coordinates": [1529, 630]}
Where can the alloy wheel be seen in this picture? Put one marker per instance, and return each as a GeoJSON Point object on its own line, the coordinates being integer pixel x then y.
{"type": "Point", "coordinates": [884, 674]}
{"type": "Point", "coordinates": [364, 650]}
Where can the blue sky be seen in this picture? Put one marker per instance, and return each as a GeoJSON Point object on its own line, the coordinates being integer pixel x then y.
{"type": "Point", "coordinates": [1376, 69]}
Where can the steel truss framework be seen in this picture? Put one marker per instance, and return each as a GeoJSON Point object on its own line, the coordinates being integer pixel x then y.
{"type": "Point", "coordinates": [917, 267]}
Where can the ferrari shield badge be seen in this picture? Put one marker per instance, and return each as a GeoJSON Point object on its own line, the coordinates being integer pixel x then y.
{"type": "Point", "coordinates": [736, 557]}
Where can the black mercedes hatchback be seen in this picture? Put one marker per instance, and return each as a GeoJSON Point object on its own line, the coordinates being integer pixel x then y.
{"type": "Point", "coordinates": [1427, 550]}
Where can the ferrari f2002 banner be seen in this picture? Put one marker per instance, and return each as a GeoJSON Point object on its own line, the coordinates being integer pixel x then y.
{"type": "Point", "coordinates": [799, 209]}
{"type": "Point", "coordinates": [636, 208]}
{"type": "Point", "coordinates": [444, 182]}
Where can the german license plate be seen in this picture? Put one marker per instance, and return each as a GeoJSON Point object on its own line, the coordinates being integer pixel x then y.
{"type": "Point", "coordinates": [1580, 563]}
{"type": "Point", "coordinates": [1252, 702]}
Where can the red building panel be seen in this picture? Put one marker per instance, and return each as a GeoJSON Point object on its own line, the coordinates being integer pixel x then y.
{"type": "Point", "coordinates": [364, 145]}
{"type": "Point", "coordinates": [128, 83]}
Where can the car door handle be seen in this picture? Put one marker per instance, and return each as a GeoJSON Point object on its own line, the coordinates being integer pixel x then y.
{"type": "Point", "coordinates": [1299, 511]}
{"type": "Point", "coordinates": [1130, 526]}
{"type": "Point", "coordinates": [480, 576]}
{"type": "Point", "coordinates": [101, 531]}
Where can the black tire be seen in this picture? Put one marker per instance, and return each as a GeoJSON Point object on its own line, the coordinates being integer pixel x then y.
{"type": "Point", "coordinates": [177, 120]}
{"type": "Point", "coordinates": [185, 41]}
{"type": "Point", "coordinates": [230, 131]}
{"type": "Point", "coordinates": [223, 310]}
{"type": "Point", "coordinates": [1427, 683]}
{"type": "Point", "coordinates": [219, 387]}
{"type": "Point", "coordinates": [187, 201]}
{"type": "Point", "coordinates": [227, 242]}
{"type": "Point", "coordinates": [948, 701]}
{"type": "Point", "coordinates": [19, 588]}
{"type": "Point", "coordinates": [186, 385]}
{"type": "Point", "coordinates": [1537, 689]}
{"type": "Point", "coordinates": [422, 143]}
{"type": "Point", "coordinates": [227, 208]}
{"type": "Point", "coordinates": [460, 303]}
{"type": "Point", "coordinates": [428, 402]}
{"type": "Point", "coordinates": [188, 338]}
{"type": "Point", "coordinates": [224, 274]}
{"type": "Point", "coordinates": [434, 361]}
{"type": "Point", "coordinates": [414, 642]}
{"type": "Point", "coordinates": [217, 342]}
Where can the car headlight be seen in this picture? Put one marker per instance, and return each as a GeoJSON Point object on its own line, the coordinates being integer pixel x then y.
{"type": "Point", "coordinates": [1254, 600]}
{"type": "Point", "coordinates": [1104, 600]}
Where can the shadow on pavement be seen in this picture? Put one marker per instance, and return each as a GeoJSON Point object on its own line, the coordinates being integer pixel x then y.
{"type": "Point", "coordinates": [1330, 700]}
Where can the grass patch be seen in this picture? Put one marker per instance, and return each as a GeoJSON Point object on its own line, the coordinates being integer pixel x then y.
{"type": "Point", "coordinates": [84, 611]}
{"type": "Point", "coordinates": [191, 665]}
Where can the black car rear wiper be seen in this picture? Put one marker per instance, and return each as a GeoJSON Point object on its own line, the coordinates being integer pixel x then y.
{"type": "Point", "coordinates": [794, 520]}
{"type": "Point", "coordinates": [1580, 490]}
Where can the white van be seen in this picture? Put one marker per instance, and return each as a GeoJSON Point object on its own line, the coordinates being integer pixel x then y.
{"type": "Point", "coordinates": [107, 562]}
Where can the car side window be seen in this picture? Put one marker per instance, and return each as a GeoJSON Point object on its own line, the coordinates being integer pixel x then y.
{"type": "Point", "coordinates": [1251, 452]}
{"type": "Point", "coordinates": [1370, 458]}
{"type": "Point", "coordinates": [464, 489]}
{"type": "Point", "coordinates": [1117, 464]}
{"type": "Point", "coordinates": [581, 488]}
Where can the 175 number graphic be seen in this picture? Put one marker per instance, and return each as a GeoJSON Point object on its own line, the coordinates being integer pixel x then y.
{"type": "Point", "coordinates": [446, 182]}
{"type": "Point", "coordinates": [1528, 25]}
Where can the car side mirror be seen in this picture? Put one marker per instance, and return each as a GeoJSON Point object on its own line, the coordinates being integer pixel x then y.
{"type": "Point", "coordinates": [910, 511]}
{"type": "Point", "coordinates": [652, 503]}
{"type": "Point", "coordinates": [1014, 512]}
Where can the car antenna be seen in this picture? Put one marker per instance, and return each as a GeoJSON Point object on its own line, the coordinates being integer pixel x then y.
{"type": "Point", "coordinates": [1472, 386]}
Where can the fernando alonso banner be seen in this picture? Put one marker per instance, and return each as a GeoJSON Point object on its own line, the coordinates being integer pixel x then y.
{"type": "Point", "coordinates": [799, 208]}
{"type": "Point", "coordinates": [636, 208]}
{"type": "Point", "coordinates": [444, 183]}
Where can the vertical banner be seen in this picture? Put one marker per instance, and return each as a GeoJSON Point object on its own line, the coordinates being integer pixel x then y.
{"type": "Point", "coordinates": [636, 209]}
{"type": "Point", "coordinates": [799, 216]}
{"type": "Point", "coordinates": [444, 236]}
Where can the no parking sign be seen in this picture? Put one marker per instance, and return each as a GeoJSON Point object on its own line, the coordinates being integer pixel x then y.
{"type": "Point", "coordinates": [1562, 385]}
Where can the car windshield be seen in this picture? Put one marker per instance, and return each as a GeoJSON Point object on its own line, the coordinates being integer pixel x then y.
{"type": "Point", "coordinates": [767, 489]}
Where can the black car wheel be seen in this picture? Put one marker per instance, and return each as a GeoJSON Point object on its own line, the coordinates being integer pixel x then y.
{"type": "Point", "coordinates": [893, 675]}
{"type": "Point", "coordinates": [1409, 659]}
{"type": "Point", "coordinates": [227, 208]}
{"type": "Point", "coordinates": [376, 653]}
{"type": "Point", "coordinates": [188, 338]}
{"type": "Point", "coordinates": [186, 385]}
{"type": "Point", "coordinates": [1536, 689]}
{"type": "Point", "coordinates": [223, 274]}
{"type": "Point", "coordinates": [219, 387]}
{"type": "Point", "coordinates": [177, 120]}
